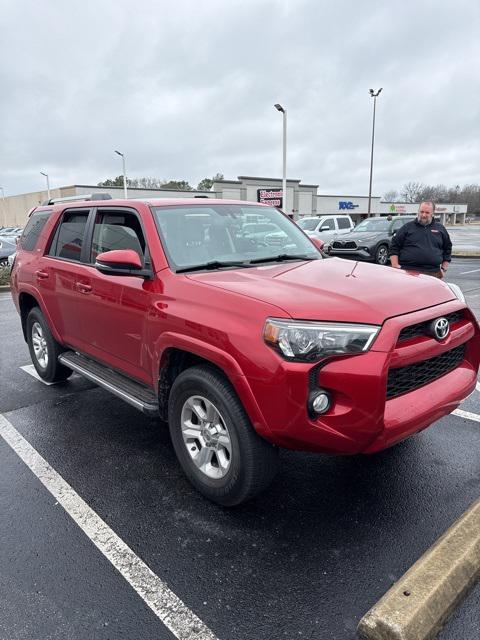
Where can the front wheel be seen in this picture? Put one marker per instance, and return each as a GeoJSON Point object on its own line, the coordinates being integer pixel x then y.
{"type": "Point", "coordinates": [217, 447]}
{"type": "Point", "coordinates": [381, 255]}
{"type": "Point", "coordinates": [44, 349]}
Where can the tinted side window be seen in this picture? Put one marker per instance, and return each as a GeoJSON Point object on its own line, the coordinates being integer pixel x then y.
{"type": "Point", "coordinates": [69, 237]}
{"type": "Point", "coordinates": [343, 223]}
{"type": "Point", "coordinates": [33, 230]}
{"type": "Point", "coordinates": [117, 231]}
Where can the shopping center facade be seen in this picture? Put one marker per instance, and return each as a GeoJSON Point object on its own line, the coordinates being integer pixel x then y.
{"type": "Point", "coordinates": [302, 199]}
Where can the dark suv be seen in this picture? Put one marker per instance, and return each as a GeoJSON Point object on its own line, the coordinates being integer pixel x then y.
{"type": "Point", "coordinates": [242, 346]}
{"type": "Point", "coordinates": [369, 240]}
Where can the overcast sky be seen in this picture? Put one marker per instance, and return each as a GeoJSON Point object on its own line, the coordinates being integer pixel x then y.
{"type": "Point", "coordinates": [186, 89]}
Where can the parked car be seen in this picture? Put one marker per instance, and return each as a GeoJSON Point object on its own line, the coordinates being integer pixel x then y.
{"type": "Point", "coordinates": [242, 347]}
{"type": "Point", "coordinates": [7, 248]}
{"type": "Point", "coordinates": [259, 230]}
{"type": "Point", "coordinates": [326, 227]}
{"type": "Point", "coordinates": [370, 240]}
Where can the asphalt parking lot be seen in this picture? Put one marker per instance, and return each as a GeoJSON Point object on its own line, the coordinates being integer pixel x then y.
{"type": "Point", "coordinates": [304, 560]}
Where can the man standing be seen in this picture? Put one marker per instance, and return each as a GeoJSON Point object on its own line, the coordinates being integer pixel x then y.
{"type": "Point", "coordinates": [422, 245]}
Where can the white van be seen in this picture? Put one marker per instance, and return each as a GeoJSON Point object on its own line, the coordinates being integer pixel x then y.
{"type": "Point", "coordinates": [325, 227]}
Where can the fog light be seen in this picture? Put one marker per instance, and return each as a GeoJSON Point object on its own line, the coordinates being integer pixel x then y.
{"type": "Point", "coordinates": [320, 401]}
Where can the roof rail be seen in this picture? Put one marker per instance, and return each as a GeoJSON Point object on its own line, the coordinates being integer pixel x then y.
{"type": "Point", "coordinates": [86, 196]}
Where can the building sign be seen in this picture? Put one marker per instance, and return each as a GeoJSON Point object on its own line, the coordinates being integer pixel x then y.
{"type": "Point", "coordinates": [273, 197]}
{"type": "Point", "coordinates": [347, 205]}
{"type": "Point", "coordinates": [397, 208]}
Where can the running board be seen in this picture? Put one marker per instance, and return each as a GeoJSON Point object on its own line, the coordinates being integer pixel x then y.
{"type": "Point", "coordinates": [136, 394]}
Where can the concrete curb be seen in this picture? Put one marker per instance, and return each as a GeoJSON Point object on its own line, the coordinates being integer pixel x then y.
{"type": "Point", "coordinates": [417, 606]}
{"type": "Point", "coordinates": [466, 254]}
{"type": "Point", "coordinates": [4, 287]}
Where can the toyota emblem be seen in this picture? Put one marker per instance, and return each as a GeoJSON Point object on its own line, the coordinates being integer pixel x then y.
{"type": "Point", "coordinates": [441, 328]}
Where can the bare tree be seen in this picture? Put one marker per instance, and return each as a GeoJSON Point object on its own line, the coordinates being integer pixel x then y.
{"type": "Point", "coordinates": [391, 196]}
{"type": "Point", "coordinates": [411, 192]}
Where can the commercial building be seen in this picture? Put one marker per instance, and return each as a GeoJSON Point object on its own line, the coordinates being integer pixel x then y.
{"type": "Point", "coordinates": [302, 200]}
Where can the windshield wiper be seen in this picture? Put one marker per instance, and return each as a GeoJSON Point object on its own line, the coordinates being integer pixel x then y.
{"type": "Point", "coordinates": [283, 256]}
{"type": "Point", "coordinates": [214, 264]}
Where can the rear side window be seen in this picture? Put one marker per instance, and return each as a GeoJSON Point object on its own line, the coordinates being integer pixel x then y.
{"type": "Point", "coordinates": [343, 223]}
{"type": "Point", "coordinates": [33, 230]}
{"type": "Point", "coordinates": [69, 237]}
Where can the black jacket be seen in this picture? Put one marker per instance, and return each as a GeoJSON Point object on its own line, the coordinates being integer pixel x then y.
{"type": "Point", "coordinates": [422, 247]}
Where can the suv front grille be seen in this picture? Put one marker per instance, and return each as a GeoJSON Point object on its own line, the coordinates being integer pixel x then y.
{"type": "Point", "coordinates": [344, 245]}
{"type": "Point", "coordinates": [421, 329]}
{"type": "Point", "coordinates": [417, 375]}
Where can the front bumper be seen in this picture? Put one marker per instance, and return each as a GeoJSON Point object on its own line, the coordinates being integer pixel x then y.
{"type": "Point", "coordinates": [352, 254]}
{"type": "Point", "coordinates": [361, 419]}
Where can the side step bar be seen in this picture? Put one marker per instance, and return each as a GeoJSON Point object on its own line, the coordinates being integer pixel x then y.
{"type": "Point", "coordinates": [136, 394]}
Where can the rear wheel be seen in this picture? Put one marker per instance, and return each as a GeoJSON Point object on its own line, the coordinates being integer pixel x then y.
{"type": "Point", "coordinates": [381, 255]}
{"type": "Point", "coordinates": [217, 447]}
{"type": "Point", "coordinates": [44, 349]}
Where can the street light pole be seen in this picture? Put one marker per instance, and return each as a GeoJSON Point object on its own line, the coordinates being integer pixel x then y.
{"type": "Point", "coordinates": [124, 174]}
{"type": "Point", "coordinates": [279, 107]}
{"type": "Point", "coordinates": [4, 207]}
{"type": "Point", "coordinates": [374, 96]}
{"type": "Point", "coordinates": [48, 183]}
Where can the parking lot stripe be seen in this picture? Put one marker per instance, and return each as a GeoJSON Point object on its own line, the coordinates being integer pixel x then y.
{"type": "Point", "coordinates": [417, 606]}
{"type": "Point", "coordinates": [174, 614]}
{"type": "Point", "coordinates": [466, 414]}
{"type": "Point", "coordinates": [462, 273]}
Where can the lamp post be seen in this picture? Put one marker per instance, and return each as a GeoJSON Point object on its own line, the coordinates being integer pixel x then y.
{"type": "Point", "coordinates": [279, 107]}
{"type": "Point", "coordinates": [4, 208]}
{"type": "Point", "coordinates": [374, 96]}
{"type": "Point", "coordinates": [48, 183]}
{"type": "Point", "coordinates": [124, 174]}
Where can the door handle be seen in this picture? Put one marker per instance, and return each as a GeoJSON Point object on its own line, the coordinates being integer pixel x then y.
{"type": "Point", "coordinates": [83, 288]}
{"type": "Point", "coordinates": [41, 275]}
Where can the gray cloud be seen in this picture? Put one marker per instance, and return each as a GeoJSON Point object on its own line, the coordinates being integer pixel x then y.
{"type": "Point", "coordinates": [187, 89]}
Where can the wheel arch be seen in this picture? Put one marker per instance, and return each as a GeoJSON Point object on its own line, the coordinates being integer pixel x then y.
{"type": "Point", "coordinates": [177, 358]}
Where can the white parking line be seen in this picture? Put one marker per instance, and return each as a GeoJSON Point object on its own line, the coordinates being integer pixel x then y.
{"type": "Point", "coordinates": [462, 273]}
{"type": "Point", "coordinates": [30, 369]}
{"type": "Point", "coordinates": [466, 414]}
{"type": "Point", "coordinates": [174, 614]}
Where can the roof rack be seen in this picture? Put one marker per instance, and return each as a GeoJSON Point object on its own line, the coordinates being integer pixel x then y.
{"type": "Point", "coordinates": [86, 196]}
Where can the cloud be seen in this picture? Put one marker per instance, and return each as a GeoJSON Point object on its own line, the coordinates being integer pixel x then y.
{"type": "Point", "coordinates": [187, 89]}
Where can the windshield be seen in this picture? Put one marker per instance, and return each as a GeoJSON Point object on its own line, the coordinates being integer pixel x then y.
{"type": "Point", "coordinates": [308, 224]}
{"type": "Point", "coordinates": [224, 233]}
{"type": "Point", "coordinates": [373, 224]}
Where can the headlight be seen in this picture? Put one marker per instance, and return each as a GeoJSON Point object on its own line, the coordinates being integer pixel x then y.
{"type": "Point", "coordinates": [454, 288]}
{"type": "Point", "coordinates": [312, 341]}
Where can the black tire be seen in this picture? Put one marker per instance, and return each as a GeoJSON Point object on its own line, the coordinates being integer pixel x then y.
{"type": "Point", "coordinates": [252, 462]}
{"type": "Point", "coordinates": [381, 254]}
{"type": "Point", "coordinates": [49, 368]}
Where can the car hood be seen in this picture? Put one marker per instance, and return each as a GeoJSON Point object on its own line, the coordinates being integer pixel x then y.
{"type": "Point", "coordinates": [332, 289]}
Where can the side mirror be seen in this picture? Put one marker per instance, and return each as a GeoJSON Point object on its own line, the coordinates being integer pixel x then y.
{"type": "Point", "coordinates": [120, 262]}
{"type": "Point", "coordinates": [318, 243]}
{"type": "Point", "coordinates": [324, 228]}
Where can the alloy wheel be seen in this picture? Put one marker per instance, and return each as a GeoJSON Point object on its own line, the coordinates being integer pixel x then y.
{"type": "Point", "coordinates": [206, 437]}
{"type": "Point", "coordinates": [39, 343]}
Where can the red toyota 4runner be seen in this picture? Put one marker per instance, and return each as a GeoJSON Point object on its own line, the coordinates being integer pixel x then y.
{"type": "Point", "coordinates": [244, 344]}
